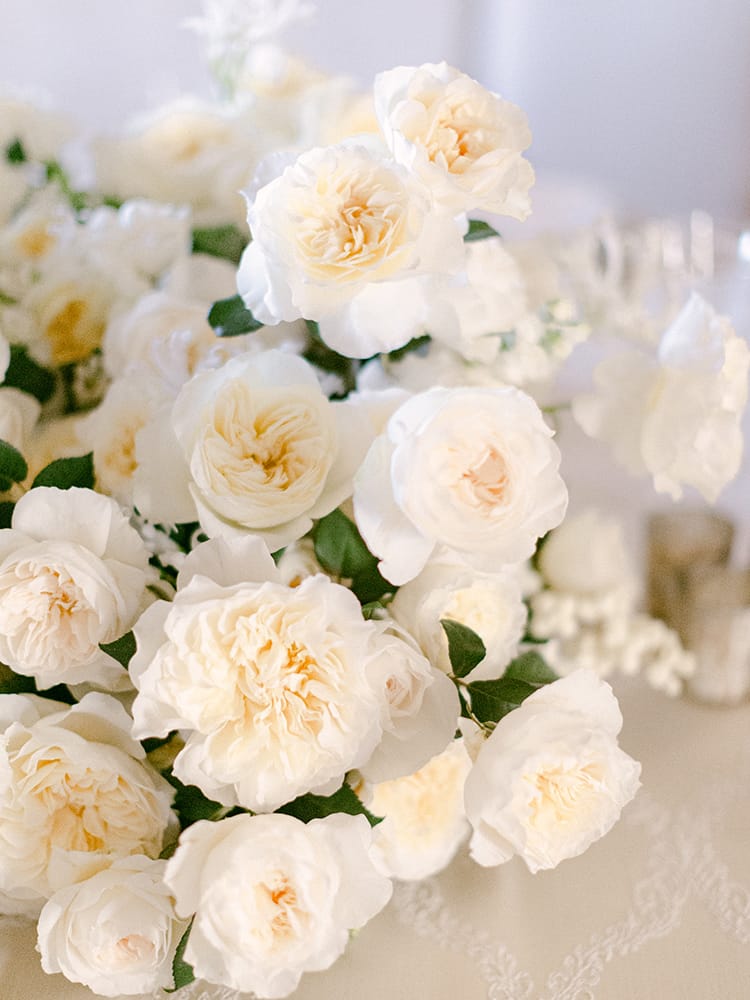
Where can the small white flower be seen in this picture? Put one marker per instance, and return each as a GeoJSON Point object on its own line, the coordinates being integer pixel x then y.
{"type": "Point", "coordinates": [551, 779]}
{"type": "Point", "coordinates": [473, 470]}
{"type": "Point", "coordinates": [76, 793]}
{"type": "Point", "coordinates": [675, 415]}
{"type": "Point", "coordinates": [463, 141]}
{"type": "Point", "coordinates": [72, 575]}
{"type": "Point", "coordinates": [254, 446]}
{"type": "Point", "coordinates": [424, 820]}
{"type": "Point", "coordinates": [345, 238]}
{"type": "Point", "coordinates": [271, 683]}
{"type": "Point", "coordinates": [490, 604]}
{"type": "Point", "coordinates": [116, 932]}
{"type": "Point", "coordinates": [273, 897]}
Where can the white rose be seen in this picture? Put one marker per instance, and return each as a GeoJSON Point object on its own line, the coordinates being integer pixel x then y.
{"type": "Point", "coordinates": [116, 932]}
{"type": "Point", "coordinates": [273, 897]}
{"type": "Point", "coordinates": [551, 779]}
{"type": "Point", "coordinates": [76, 792]}
{"type": "Point", "coordinates": [144, 236]}
{"type": "Point", "coordinates": [473, 470]}
{"type": "Point", "coordinates": [297, 562]}
{"type": "Point", "coordinates": [259, 448]}
{"type": "Point", "coordinates": [490, 303]}
{"type": "Point", "coordinates": [587, 554]}
{"type": "Point", "coordinates": [201, 277]}
{"type": "Point", "coordinates": [424, 819]}
{"type": "Point", "coordinates": [110, 431]}
{"type": "Point", "coordinates": [491, 604]}
{"type": "Point", "coordinates": [675, 415]}
{"type": "Point", "coordinates": [19, 413]}
{"type": "Point", "coordinates": [270, 682]}
{"type": "Point", "coordinates": [72, 575]}
{"type": "Point", "coordinates": [420, 706]}
{"type": "Point", "coordinates": [27, 117]}
{"type": "Point", "coordinates": [463, 141]}
{"type": "Point", "coordinates": [187, 152]}
{"type": "Point", "coordinates": [344, 237]}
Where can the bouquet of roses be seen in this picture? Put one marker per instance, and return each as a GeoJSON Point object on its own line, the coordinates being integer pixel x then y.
{"type": "Point", "coordinates": [288, 608]}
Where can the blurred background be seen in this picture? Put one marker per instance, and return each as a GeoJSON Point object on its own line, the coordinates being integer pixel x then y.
{"type": "Point", "coordinates": [637, 105]}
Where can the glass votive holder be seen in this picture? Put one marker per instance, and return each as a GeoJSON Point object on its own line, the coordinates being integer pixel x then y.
{"type": "Point", "coordinates": [681, 545]}
{"type": "Point", "coordinates": [718, 632]}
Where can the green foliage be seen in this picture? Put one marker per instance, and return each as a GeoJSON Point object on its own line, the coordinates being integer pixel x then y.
{"type": "Point", "coordinates": [492, 700]}
{"type": "Point", "coordinates": [322, 356]}
{"type": "Point", "coordinates": [191, 804]}
{"type": "Point", "coordinates": [13, 683]}
{"type": "Point", "coordinates": [340, 550]}
{"type": "Point", "coordinates": [345, 800]}
{"type": "Point", "coordinates": [6, 513]}
{"type": "Point", "coordinates": [25, 374]}
{"type": "Point", "coordinates": [479, 230]}
{"type": "Point", "coordinates": [230, 318]}
{"type": "Point", "coordinates": [65, 473]}
{"type": "Point", "coordinates": [15, 153]}
{"type": "Point", "coordinates": [13, 467]}
{"type": "Point", "coordinates": [122, 649]}
{"type": "Point", "coordinates": [182, 971]}
{"type": "Point", "coordinates": [57, 175]}
{"type": "Point", "coordinates": [415, 344]}
{"type": "Point", "coordinates": [465, 647]}
{"type": "Point", "coordinates": [226, 242]}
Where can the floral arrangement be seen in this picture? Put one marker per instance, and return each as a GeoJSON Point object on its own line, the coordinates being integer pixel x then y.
{"type": "Point", "coordinates": [288, 605]}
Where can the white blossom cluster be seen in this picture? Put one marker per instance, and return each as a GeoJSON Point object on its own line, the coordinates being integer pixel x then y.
{"type": "Point", "coordinates": [269, 501]}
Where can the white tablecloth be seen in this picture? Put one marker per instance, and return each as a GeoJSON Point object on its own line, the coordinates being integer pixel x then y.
{"type": "Point", "coordinates": [657, 910]}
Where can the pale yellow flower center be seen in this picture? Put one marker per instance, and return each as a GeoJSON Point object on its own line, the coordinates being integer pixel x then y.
{"type": "Point", "coordinates": [73, 327]}
{"type": "Point", "coordinates": [183, 137]}
{"type": "Point", "coordinates": [485, 483]}
{"type": "Point", "coordinates": [561, 795]}
{"type": "Point", "coordinates": [34, 241]}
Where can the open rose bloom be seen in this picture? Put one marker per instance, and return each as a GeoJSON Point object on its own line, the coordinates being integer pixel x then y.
{"type": "Point", "coordinates": [289, 607]}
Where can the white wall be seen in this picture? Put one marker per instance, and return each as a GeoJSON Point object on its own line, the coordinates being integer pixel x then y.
{"type": "Point", "coordinates": [651, 98]}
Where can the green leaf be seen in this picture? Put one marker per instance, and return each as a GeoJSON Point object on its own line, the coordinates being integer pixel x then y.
{"type": "Point", "coordinates": [57, 175]}
{"type": "Point", "coordinates": [372, 610]}
{"type": "Point", "coordinates": [13, 683]}
{"type": "Point", "coordinates": [479, 230]}
{"type": "Point", "coordinates": [230, 318]}
{"type": "Point", "coordinates": [340, 550]}
{"type": "Point", "coordinates": [25, 374]}
{"type": "Point", "coordinates": [15, 153]}
{"type": "Point", "coordinates": [6, 513]}
{"type": "Point", "coordinates": [345, 800]}
{"type": "Point", "coordinates": [64, 473]}
{"type": "Point", "coordinates": [220, 241]}
{"type": "Point", "coordinates": [13, 467]}
{"type": "Point", "coordinates": [122, 649]}
{"type": "Point", "coordinates": [465, 647]}
{"type": "Point", "coordinates": [182, 971]}
{"type": "Point", "coordinates": [415, 344]}
{"type": "Point", "coordinates": [531, 668]}
{"type": "Point", "coordinates": [7, 300]}
{"type": "Point", "coordinates": [492, 700]}
{"type": "Point", "coordinates": [191, 804]}
{"type": "Point", "coordinates": [324, 357]}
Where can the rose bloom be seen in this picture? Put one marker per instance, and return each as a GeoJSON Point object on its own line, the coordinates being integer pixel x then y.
{"type": "Point", "coordinates": [73, 575]}
{"type": "Point", "coordinates": [676, 414]}
{"type": "Point", "coordinates": [259, 448]}
{"type": "Point", "coordinates": [470, 470]}
{"type": "Point", "coordinates": [490, 604]}
{"type": "Point", "coordinates": [271, 684]}
{"type": "Point", "coordinates": [551, 779]}
{"type": "Point", "coordinates": [344, 237]}
{"type": "Point", "coordinates": [76, 793]}
{"type": "Point", "coordinates": [586, 555]}
{"type": "Point", "coordinates": [464, 142]}
{"type": "Point", "coordinates": [116, 932]}
{"type": "Point", "coordinates": [273, 897]}
{"type": "Point", "coordinates": [18, 414]}
{"type": "Point", "coordinates": [424, 819]}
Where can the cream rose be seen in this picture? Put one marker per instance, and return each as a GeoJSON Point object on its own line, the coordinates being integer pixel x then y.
{"type": "Point", "coordinates": [676, 414]}
{"type": "Point", "coordinates": [116, 932]}
{"type": "Point", "coordinates": [273, 897]}
{"type": "Point", "coordinates": [463, 141]}
{"type": "Point", "coordinates": [76, 793]}
{"type": "Point", "coordinates": [345, 238]}
{"type": "Point", "coordinates": [491, 604]}
{"type": "Point", "coordinates": [587, 555]}
{"type": "Point", "coordinates": [258, 448]}
{"type": "Point", "coordinates": [424, 819]}
{"type": "Point", "coordinates": [270, 683]}
{"type": "Point", "coordinates": [471, 470]}
{"type": "Point", "coordinates": [551, 779]}
{"type": "Point", "coordinates": [73, 575]}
